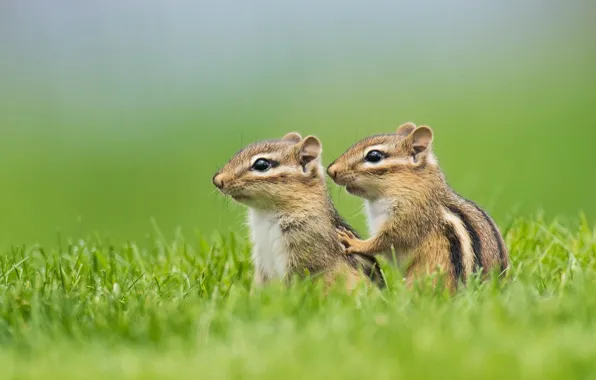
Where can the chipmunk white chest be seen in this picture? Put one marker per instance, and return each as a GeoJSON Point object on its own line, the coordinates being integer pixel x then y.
{"type": "Point", "coordinates": [377, 213]}
{"type": "Point", "coordinates": [269, 254]}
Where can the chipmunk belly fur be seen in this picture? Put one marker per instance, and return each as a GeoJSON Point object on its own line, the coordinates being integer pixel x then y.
{"type": "Point", "coordinates": [270, 254]}
{"type": "Point", "coordinates": [377, 212]}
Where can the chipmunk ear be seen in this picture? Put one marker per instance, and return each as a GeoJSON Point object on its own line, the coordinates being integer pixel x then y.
{"type": "Point", "coordinates": [406, 128]}
{"type": "Point", "coordinates": [422, 139]}
{"type": "Point", "coordinates": [309, 150]}
{"type": "Point", "coordinates": [293, 137]}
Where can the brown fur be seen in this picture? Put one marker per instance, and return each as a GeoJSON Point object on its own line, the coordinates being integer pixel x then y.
{"type": "Point", "coordinates": [295, 192]}
{"type": "Point", "coordinates": [423, 212]}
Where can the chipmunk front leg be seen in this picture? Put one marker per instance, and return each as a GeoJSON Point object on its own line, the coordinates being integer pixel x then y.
{"type": "Point", "coordinates": [369, 247]}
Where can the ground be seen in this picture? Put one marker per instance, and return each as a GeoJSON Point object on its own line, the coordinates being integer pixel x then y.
{"type": "Point", "coordinates": [185, 309]}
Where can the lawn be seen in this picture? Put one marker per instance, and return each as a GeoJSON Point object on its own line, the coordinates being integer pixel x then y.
{"type": "Point", "coordinates": [184, 309]}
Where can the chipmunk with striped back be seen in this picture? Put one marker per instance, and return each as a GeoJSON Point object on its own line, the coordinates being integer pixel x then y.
{"type": "Point", "coordinates": [291, 217]}
{"type": "Point", "coordinates": [412, 209]}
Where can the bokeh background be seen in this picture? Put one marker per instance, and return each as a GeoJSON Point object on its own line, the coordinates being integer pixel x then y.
{"type": "Point", "coordinates": [116, 112]}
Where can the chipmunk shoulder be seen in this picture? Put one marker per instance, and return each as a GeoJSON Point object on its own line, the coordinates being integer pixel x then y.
{"type": "Point", "coordinates": [412, 209]}
{"type": "Point", "coordinates": [291, 217]}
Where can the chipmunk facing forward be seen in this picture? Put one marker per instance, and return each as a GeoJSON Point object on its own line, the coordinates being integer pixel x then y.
{"type": "Point", "coordinates": [291, 217]}
{"type": "Point", "coordinates": [411, 208]}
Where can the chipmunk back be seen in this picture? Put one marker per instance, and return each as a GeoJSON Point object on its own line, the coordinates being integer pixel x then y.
{"type": "Point", "coordinates": [412, 209]}
{"type": "Point", "coordinates": [291, 217]}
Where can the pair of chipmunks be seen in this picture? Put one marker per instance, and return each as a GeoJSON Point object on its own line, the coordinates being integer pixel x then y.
{"type": "Point", "coordinates": [296, 230]}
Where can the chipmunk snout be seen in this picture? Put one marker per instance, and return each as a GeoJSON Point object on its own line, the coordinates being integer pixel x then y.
{"type": "Point", "coordinates": [332, 171]}
{"type": "Point", "coordinates": [337, 173]}
{"type": "Point", "coordinates": [219, 180]}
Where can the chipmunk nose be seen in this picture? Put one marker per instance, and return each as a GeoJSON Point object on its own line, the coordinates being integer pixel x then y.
{"type": "Point", "coordinates": [332, 171]}
{"type": "Point", "coordinates": [218, 180]}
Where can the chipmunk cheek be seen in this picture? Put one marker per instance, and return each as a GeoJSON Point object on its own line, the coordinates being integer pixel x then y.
{"type": "Point", "coordinates": [263, 190]}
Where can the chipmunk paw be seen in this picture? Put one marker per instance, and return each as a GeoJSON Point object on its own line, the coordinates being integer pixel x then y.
{"type": "Point", "coordinates": [347, 239]}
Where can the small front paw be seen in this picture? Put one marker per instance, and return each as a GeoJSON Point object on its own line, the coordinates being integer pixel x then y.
{"type": "Point", "coordinates": [349, 250]}
{"type": "Point", "coordinates": [345, 236]}
{"type": "Point", "coordinates": [348, 240]}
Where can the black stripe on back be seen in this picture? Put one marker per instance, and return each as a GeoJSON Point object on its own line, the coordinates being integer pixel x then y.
{"type": "Point", "coordinates": [496, 235]}
{"type": "Point", "coordinates": [476, 242]}
{"type": "Point", "coordinates": [455, 252]}
{"type": "Point", "coordinates": [495, 231]}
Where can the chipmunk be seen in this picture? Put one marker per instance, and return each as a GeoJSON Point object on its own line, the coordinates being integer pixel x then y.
{"type": "Point", "coordinates": [292, 219]}
{"type": "Point", "coordinates": [412, 209]}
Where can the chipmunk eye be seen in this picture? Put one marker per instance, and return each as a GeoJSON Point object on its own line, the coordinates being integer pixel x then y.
{"type": "Point", "coordinates": [261, 165]}
{"type": "Point", "coordinates": [374, 156]}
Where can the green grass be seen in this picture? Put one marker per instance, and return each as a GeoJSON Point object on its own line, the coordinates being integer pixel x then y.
{"type": "Point", "coordinates": [184, 309]}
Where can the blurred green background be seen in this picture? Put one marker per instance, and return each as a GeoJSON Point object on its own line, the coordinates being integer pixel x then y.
{"type": "Point", "coordinates": [113, 113]}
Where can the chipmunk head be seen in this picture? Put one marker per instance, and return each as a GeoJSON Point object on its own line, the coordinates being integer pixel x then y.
{"type": "Point", "coordinates": [387, 164]}
{"type": "Point", "coordinates": [269, 174]}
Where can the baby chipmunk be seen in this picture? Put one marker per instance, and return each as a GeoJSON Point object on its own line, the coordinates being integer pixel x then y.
{"type": "Point", "coordinates": [412, 209]}
{"type": "Point", "coordinates": [291, 217]}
